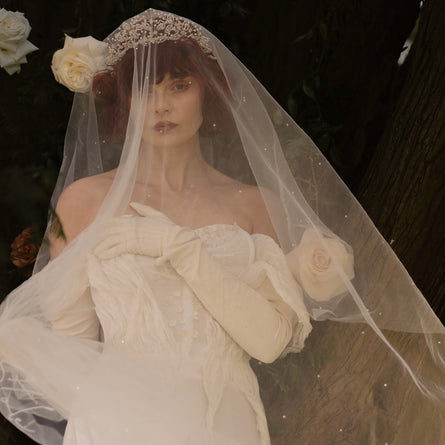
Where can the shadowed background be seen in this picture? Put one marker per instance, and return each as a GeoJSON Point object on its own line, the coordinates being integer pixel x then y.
{"type": "Point", "coordinates": [335, 65]}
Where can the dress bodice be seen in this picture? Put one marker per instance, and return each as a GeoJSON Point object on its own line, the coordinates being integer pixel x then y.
{"type": "Point", "coordinates": [144, 305]}
{"type": "Point", "coordinates": [147, 309]}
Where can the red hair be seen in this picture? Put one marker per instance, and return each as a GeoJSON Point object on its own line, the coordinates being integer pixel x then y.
{"type": "Point", "coordinates": [180, 58]}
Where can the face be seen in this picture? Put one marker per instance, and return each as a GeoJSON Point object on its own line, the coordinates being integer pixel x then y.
{"type": "Point", "coordinates": [174, 113]}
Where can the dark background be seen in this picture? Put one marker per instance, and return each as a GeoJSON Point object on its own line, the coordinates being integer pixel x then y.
{"type": "Point", "coordinates": [333, 64]}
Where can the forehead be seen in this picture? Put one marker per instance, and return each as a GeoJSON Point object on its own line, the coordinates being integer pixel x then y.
{"type": "Point", "coordinates": [168, 78]}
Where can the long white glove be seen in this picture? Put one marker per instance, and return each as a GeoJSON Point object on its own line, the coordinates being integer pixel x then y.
{"type": "Point", "coordinates": [257, 319]}
{"type": "Point", "coordinates": [140, 235]}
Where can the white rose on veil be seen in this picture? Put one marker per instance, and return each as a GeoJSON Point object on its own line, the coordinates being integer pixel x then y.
{"type": "Point", "coordinates": [76, 63]}
{"type": "Point", "coordinates": [14, 30]}
{"type": "Point", "coordinates": [311, 264]}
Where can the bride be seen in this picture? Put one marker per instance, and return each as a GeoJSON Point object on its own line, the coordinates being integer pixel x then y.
{"type": "Point", "coordinates": [182, 247]}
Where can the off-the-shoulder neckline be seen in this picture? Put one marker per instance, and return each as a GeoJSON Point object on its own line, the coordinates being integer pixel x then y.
{"type": "Point", "coordinates": [235, 226]}
{"type": "Point", "coordinates": [221, 225]}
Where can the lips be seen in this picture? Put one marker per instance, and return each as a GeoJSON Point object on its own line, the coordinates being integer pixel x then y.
{"type": "Point", "coordinates": [164, 126]}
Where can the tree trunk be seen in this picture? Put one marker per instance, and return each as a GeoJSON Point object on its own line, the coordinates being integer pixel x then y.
{"type": "Point", "coordinates": [404, 188]}
{"type": "Point", "coordinates": [348, 396]}
{"type": "Point", "coordinates": [338, 76]}
{"type": "Point", "coordinates": [403, 192]}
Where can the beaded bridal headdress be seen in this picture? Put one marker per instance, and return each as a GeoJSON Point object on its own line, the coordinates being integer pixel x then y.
{"type": "Point", "coordinates": [154, 28]}
{"type": "Point", "coordinates": [375, 358]}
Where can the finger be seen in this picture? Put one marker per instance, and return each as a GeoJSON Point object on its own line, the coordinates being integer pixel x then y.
{"type": "Point", "coordinates": [115, 230]}
{"type": "Point", "coordinates": [118, 224]}
{"type": "Point", "coordinates": [105, 245]}
{"type": "Point", "coordinates": [111, 252]}
{"type": "Point", "coordinates": [162, 260]}
{"type": "Point", "coordinates": [101, 250]}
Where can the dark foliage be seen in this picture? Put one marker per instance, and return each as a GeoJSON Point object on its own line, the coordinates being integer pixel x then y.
{"type": "Point", "coordinates": [331, 63]}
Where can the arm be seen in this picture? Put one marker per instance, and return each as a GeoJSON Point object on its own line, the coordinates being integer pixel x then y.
{"type": "Point", "coordinates": [253, 314]}
{"type": "Point", "coordinates": [76, 209]}
{"type": "Point", "coordinates": [264, 202]}
{"type": "Point", "coordinates": [255, 317]}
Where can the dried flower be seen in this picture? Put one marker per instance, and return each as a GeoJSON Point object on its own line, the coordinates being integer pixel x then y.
{"type": "Point", "coordinates": [23, 250]}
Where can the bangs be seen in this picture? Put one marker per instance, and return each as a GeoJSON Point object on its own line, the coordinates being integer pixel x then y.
{"type": "Point", "coordinates": [177, 58]}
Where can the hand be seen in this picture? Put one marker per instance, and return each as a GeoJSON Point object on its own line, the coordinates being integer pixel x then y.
{"type": "Point", "coordinates": [148, 234]}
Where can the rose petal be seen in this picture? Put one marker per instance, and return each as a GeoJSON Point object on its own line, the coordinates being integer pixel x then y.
{"type": "Point", "coordinates": [8, 46]}
{"type": "Point", "coordinates": [314, 268]}
{"type": "Point", "coordinates": [25, 48]}
{"type": "Point", "coordinates": [12, 69]}
{"type": "Point", "coordinates": [13, 58]}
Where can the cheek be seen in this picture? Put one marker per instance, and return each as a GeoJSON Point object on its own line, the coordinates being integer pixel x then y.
{"type": "Point", "coordinates": [198, 114]}
{"type": "Point", "coordinates": [149, 110]}
{"type": "Point", "coordinates": [194, 109]}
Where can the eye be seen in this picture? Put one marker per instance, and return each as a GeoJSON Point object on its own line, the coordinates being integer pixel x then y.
{"type": "Point", "coordinates": [181, 85]}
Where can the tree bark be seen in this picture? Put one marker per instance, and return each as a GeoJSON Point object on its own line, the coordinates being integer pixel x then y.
{"type": "Point", "coordinates": [403, 191]}
{"type": "Point", "coordinates": [404, 188]}
{"type": "Point", "coordinates": [349, 396]}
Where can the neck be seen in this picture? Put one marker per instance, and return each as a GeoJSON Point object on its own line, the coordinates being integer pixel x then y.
{"type": "Point", "coordinates": [172, 168]}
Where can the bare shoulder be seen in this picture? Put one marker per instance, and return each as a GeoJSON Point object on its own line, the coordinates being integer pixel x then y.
{"type": "Point", "coordinates": [77, 207]}
{"type": "Point", "coordinates": [251, 205]}
{"type": "Point", "coordinates": [261, 204]}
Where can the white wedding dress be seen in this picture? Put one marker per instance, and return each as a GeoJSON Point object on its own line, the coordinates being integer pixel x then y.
{"type": "Point", "coordinates": [181, 379]}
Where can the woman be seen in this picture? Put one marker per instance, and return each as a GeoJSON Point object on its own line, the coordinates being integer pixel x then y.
{"type": "Point", "coordinates": [184, 246]}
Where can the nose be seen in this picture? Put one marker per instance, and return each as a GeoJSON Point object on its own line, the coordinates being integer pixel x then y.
{"type": "Point", "coordinates": [161, 101]}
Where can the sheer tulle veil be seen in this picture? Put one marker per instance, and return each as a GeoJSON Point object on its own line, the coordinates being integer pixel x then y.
{"type": "Point", "coordinates": [372, 370]}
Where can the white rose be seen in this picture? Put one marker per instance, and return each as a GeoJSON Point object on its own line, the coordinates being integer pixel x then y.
{"type": "Point", "coordinates": [14, 29]}
{"type": "Point", "coordinates": [11, 60]}
{"type": "Point", "coordinates": [74, 66]}
{"type": "Point", "coordinates": [312, 265]}
{"type": "Point", "coordinates": [9, 64]}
